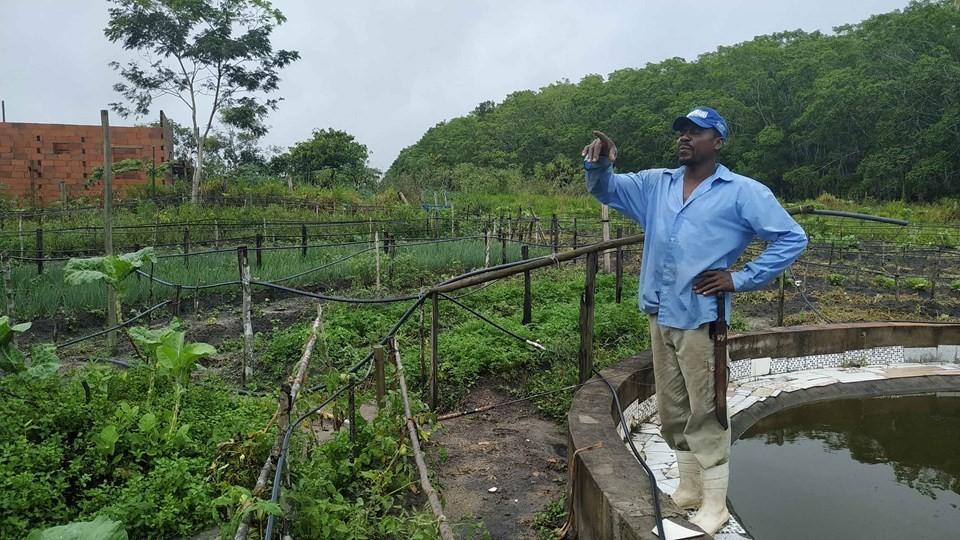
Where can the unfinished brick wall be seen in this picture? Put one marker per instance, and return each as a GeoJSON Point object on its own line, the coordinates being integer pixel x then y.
{"type": "Point", "coordinates": [40, 164]}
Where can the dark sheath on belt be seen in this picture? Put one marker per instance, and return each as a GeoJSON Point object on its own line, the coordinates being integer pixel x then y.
{"type": "Point", "coordinates": [718, 332]}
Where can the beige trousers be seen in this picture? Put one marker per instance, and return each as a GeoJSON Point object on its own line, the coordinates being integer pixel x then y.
{"type": "Point", "coordinates": [683, 364]}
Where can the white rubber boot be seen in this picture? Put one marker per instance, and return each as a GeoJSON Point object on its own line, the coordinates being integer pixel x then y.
{"type": "Point", "coordinates": [690, 491]}
{"type": "Point", "coordinates": [713, 513]}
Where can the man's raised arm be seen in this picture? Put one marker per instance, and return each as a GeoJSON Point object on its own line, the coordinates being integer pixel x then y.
{"type": "Point", "coordinates": [627, 193]}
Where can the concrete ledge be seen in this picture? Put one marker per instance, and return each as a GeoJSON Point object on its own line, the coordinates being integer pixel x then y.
{"type": "Point", "coordinates": [611, 492]}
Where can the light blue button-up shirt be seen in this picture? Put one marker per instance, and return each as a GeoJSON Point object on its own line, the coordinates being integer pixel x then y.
{"type": "Point", "coordinates": [707, 232]}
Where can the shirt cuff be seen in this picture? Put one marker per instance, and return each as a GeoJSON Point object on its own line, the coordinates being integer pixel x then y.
{"type": "Point", "coordinates": [741, 281]}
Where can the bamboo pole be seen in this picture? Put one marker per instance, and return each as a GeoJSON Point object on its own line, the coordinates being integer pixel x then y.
{"type": "Point", "coordinates": [244, 264]}
{"type": "Point", "coordinates": [527, 297]}
{"type": "Point", "coordinates": [285, 405]}
{"type": "Point", "coordinates": [445, 532]}
{"type": "Point", "coordinates": [434, 353]}
{"type": "Point", "coordinates": [548, 260]}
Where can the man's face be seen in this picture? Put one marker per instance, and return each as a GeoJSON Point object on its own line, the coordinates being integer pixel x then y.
{"type": "Point", "coordinates": [697, 145]}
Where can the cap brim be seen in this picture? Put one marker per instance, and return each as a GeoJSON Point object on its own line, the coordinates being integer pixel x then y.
{"type": "Point", "coordinates": [683, 121]}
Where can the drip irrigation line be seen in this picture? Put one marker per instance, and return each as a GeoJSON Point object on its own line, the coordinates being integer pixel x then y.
{"type": "Point", "coordinates": [155, 279]}
{"type": "Point", "coordinates": [326, 265]}
{"type": "Point", "coordinates": [285, 445]}
{"type": "Point", "coordinates": [485, 408]}
{"type": "Point", "coordinates": [480, 316]}
{"type": "Point", "coordinates": [112, 328]}
{"type": "Point", "coordinates": [341, 299]}
{"type": "Point", "coordinates": [806, 300]}
{"type": "Point", "coordinates": [478, 289]}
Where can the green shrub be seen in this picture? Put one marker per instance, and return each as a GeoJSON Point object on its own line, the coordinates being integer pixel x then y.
{"type": "Point", "coordinates": [885, 282]}
{"type": "Point", "coordinates": [836, 279]}
{"type": "Point", "coordinates": [918, 284]}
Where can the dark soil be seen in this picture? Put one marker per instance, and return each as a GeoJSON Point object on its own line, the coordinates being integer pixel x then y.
{"type": "Point", "coordinates": [513, 449]}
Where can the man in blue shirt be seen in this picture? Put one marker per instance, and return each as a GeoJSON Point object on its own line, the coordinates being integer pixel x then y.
{"type": "Point", "coordinates": [697, 220]}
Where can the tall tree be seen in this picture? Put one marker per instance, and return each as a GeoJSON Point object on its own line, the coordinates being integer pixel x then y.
{"type": "Point", "coordinates": [329, 157]}
{"type": "Point", "coordinates": [213, 55]}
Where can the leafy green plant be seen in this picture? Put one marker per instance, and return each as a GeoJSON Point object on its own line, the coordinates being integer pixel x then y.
{"type": "Point", "coordinates": [177, 358]}
{"type": "Point", "coordinates": [836, 279]}
{"type": "Point", "coordinates": [885, 282]}
{"type": "Point", "coordinates": [955, 285]}
{"type": "Point", "coordinates": [918, 284]}
{"type": "Point", "coordinates": [112, 270]}
{"type": "Point", "coordinates": [43, 359]}
{"type": "Point", "coordinates": [101, 528]}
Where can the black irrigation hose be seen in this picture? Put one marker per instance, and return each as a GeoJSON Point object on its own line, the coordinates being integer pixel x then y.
{"type": "Point", "coordinates": [112, 328]}
{"type": "Point", "coordinates": [326, 265]}
{"type": "Point", "coordinates": [341, 299]}
{"type": "Point", "coordinates": [494, 324]}
{"type": "Point", "coordinates": [285, 445]}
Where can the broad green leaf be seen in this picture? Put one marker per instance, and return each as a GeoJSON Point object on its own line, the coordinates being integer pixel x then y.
{"type": "Point", "coordinates": [138, 258]}
{"type": "Point", "coordinates": [101, 528]}
{"type": "Point", "coordinates": [198, 350]}
{"type": "Point", "coordinates": [43, 360]}
{"type": "Point", "coordinates": [22, 327]}
{"type": "Point", "coordinates": [11, 359]}
{"type": "Point", "coordinates": [147, 423]}
{"type": "Point", "coordinates": [106, 440]}
{"type": "Point", "coordinates": [84, 271]}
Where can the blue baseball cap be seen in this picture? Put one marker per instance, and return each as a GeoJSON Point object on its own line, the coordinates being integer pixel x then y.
{"type": "Point", "coordinates": [704, 117]}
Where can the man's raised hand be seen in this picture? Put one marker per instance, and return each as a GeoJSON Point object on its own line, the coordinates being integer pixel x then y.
{"type": "Point", "coordinates": [602, 146]}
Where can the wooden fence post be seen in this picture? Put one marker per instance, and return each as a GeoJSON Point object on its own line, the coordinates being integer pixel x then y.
{"type": "Point", "coordinates": [527, 300]}
{"type": "Point", "coordinates": [379, 376]}
{"type": "Point", "coordinates": [587, 300]}
{"type": "Point", "coordinates": [575, 246]}
{"type": "Point", "coordinates": [605, 219]}
{"type": "Point", "coordinates": [780, 302]}
{"type": "Point", "coordinates": [619, 268]}
{"type": "Point", "coordinates": [39, 252]}
{"type": "Point", "coordinates": [186, 246]}
{"type": "Point", "coordinates": [503, 246]}
{"type": "Point", "coordinates": [216, 233]}
{"type": "Point", "coordinates": [244, 267]}
{"type": "Point", "coordinates": [486, 247]}
{"type": "Point", "coordinates": [303, 240]}
{"type": "Point", "coordinates": [258, 250]}
{"type": "Point", "coordinates": [376, 251]}
{"type": "Point", "coordinates": [434, 353]}
{"type": "Point", "coordinates": [8, 287]}
{"type": "Point", "coordinates": [150, 294]}
{"type": "Point", "coordinates": [112, 315]}
{"type": "Point", "coordinates": [936, 274]}
{"type": "Point", "coordinates": [555, 233]}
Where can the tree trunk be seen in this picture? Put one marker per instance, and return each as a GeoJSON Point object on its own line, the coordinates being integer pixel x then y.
{"type": "Point", "coordinates": [197, 172]}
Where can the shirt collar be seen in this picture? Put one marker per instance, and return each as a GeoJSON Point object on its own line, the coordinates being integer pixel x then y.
{"type": "Point", "coordinates": [722, 173]}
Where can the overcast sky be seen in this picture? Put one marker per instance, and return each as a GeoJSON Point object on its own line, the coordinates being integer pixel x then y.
{"type": "Point", "coordinates": [387, 70]}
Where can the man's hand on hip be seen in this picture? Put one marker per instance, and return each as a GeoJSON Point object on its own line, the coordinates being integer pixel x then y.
{"type": "Point", "coordinates": [712, 282]}
{"type": "Point", "coordinates": [602, 146]}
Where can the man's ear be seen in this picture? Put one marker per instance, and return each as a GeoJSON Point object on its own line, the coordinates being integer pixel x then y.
{"type": "Point", "coordinates": [718, 143]}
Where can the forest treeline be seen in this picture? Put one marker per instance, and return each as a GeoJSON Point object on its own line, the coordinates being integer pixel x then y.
{"type": "Point", "coordinates": [869, 111]}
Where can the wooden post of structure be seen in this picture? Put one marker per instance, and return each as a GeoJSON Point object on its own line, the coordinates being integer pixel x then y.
{"type": "Point", "coordinates": [780, 302]}
{"type": "Point", "coordinates": [303, 240]}
{"type": "Point", "coordinates": [503, 246]}
{"type": "Point", "coordinates": [258, 250]}
{"type": "Point", "coordinates": [575, 246]}
{"type": "Point", "coordinates": [555, 234]}
{"type": "Point", "coordinates": [63, 193]}
{"type": "Point", "coordinates": [423, 346]}
{"type": "Point", "coordinates": [352, 412]}
{"type": "Point", "coordinates": [936, 274]}
{"type": "Point", "coordinates": [378, 374]}
{"type": "Point", "coordinates": [108, 225]}
{"type": "Point", "coordinates": [619, 269]}
{"type": "Point", "coordinates": [20, 233]}
{"type": "Point", "coordinates": [177, 291]}
{"type": "Point", "coordinates": [434, 353]}
{"type": "Point", "coordinates": [376, 251]}
{"type": "Point", "coordinates": [586, 318]}
{"type": "Point", "coordinates": [216, 233]}
{"type": "Point", "coordinates": [486, 247]}
{"type": "Point", "coordinates": [150, 293]}
{"type": "Point", "coordinates": [39, 252]}
{"type": "Point", "coordinates": [186, 246]}
{"type": "Point", "coordinates": [8, 287]}
{"type": "Point", "coordinates": [605, 219]}
{"type": "Point", "coordinates": [244, 267]}
{"type": "Point", "coordinates": [527, 300]}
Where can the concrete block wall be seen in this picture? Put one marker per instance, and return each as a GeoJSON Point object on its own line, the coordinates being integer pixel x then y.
{"type": "Point", "coordinates": [36, 158]}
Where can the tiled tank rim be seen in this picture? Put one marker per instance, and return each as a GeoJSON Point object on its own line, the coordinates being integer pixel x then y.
{"type": "Point", "coordinates": [609, 494]}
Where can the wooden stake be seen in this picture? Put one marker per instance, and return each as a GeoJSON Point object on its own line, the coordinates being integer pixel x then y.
{"type": "Point", "coordinates": [434, 353]}
{"type": "Point", "coordinates": [619, 269]}
{"type": "Point", "coordinates": [246, 371]}
{"type": "Point", "coordinates": [376, 251]}
{"type": "Point", "coordinates": [258, 250]}
{"type": "Point", "coordinates": [486, 247]}
{"type": "Point", "coordinates": [445, 532]}
{"type": "Point", "coordinates": [527, 307]}
{"type": "Point", "coordinates": [303, 240]}
{"type": "Point", "coordinates": [186, 246]}
{"type": "Point", "coordinates": [587, 300]}
{"type": "Point", "coordinates": [780, 302]}
{"type": "Point", "coordinates": [605, 219]}
{"type": "Point", "coordinates": [108, 225]}
{"type": "Point", "coordinates": [378, 375]}
{"type": "Point", "coordinates": [39, 256]}
{"type": "Point", "coordinates": [8, 288]}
